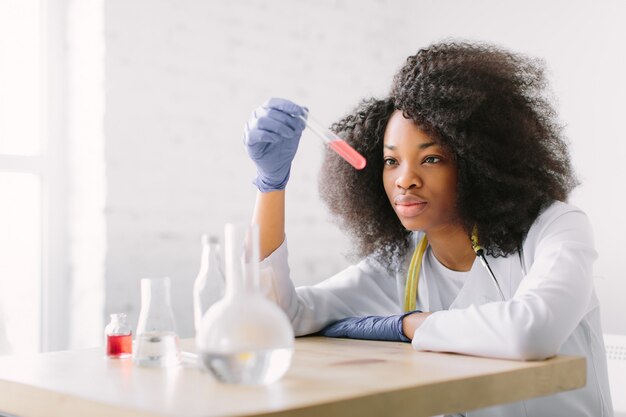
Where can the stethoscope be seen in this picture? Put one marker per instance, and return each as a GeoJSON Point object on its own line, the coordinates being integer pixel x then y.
{"type": "Point", "coordinates": [410, 290]}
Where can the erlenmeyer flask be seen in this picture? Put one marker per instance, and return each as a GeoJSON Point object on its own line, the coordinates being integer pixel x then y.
{"type": "Point", "coordinates": [208, 288]}
{"type": "Point", "coordinates": [157, 341]}
{"type": "Point", "coordinates": [245, 338]}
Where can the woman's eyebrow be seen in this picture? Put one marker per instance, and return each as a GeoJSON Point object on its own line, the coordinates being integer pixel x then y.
{"type": "Point", "coordinates": [427, 145]}
{"type": "Point", "coordinates": [421, 146]}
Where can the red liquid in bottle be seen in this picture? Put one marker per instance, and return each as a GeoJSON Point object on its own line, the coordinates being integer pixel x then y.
{"type": "Point", "coordinates": [119, 346]}
{"type": "Point", "coordinates": [348, 153]}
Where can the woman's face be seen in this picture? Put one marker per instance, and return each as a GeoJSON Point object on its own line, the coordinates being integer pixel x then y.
{"type": "Point", "coordinates": [419, 176]}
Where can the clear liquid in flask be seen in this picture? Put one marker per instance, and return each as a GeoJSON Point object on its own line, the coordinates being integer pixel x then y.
{"type": "Point", "coordinates": [157, 349]}
{"type": "Point", "coordinates": [254, 367]}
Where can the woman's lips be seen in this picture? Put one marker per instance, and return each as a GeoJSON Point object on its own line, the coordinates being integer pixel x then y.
{"type": "Point", "coordinates": [409, 205]}
{"type": "Point", "coordinates": [410, 209]}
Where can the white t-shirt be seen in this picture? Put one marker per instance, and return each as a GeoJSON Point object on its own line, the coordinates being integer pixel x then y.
{"type": "Point", "coordinates": [450, 282]}
{"type": "Point", "coordinates": [550, 307]}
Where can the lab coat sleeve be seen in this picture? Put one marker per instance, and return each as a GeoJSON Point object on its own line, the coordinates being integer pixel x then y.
{"type": "Point", "coordinates": [549, 303]}
{"type": "Point", "coordinates": [362, 289]}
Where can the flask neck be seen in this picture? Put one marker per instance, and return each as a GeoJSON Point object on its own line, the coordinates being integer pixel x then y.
{"type": "Point", "coordinates": [210, 254]}
{"type": "Point", "coordinates": [245, 280]}
{"type": "Point", "coordinates": [155, 292]}
{"type": "Point", "coordinates": [242, 259]}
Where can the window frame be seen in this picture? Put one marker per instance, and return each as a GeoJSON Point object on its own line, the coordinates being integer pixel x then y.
{"type": "Point", "coordinates": [50, 166]}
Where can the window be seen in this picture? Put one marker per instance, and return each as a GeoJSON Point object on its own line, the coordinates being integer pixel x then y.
{"type": "Point", "coordinates": [27, 175]}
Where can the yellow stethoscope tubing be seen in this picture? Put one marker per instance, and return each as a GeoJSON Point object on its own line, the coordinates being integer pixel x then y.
{"type": "Point", "coordinates": [413, 275]}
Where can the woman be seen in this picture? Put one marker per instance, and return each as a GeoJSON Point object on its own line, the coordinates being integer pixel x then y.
{"type": "Point", "coordinates": [465, 158]}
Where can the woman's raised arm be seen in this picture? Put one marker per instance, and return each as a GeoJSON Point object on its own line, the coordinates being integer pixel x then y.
{"type": "Point", "coordinates": [271, 137]}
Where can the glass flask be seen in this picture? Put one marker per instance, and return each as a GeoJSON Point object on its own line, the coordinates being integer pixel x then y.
{"type": "Point", "coordinates": [208, 287]}
{"type": "Point", "coordinates": [244, 338]}
{"type": "Point", "coordinates": [157, 343]}
{"type": "Point", "coordinates": [119, 337]}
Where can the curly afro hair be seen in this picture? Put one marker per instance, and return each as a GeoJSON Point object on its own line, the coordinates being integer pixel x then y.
{"type": "Point", "coordinates": [488, 108]}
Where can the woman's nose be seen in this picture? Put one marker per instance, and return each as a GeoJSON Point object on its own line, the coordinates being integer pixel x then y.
{"type": "Point", "coordinates": [408, 179]}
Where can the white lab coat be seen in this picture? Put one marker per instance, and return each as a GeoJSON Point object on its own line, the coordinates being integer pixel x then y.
{"type": "Point", "coordinates": [550, 308]}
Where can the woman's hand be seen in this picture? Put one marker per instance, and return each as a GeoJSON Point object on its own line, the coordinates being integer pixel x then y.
{"type": "Point", "coordinates": [271, 137]}
{"type": "Point", "coordinates": [412, 322]}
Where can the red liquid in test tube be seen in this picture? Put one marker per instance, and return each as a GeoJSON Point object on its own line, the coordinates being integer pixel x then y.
{"type": "Point", "coordinates": [119, 346]}
{"type": "Point", "coordinates": [348, 153]}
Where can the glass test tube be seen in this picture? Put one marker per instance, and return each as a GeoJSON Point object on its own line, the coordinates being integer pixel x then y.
{"type": "Point", "coordinates": [337, 144]}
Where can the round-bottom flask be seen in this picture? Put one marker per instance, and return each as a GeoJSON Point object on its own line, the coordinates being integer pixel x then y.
{"type": "Point", "coordinates": [245, 338]}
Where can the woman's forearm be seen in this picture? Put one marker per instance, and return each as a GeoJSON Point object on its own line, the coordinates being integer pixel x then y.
{"type": "Point", "coordinates": [269, 214]}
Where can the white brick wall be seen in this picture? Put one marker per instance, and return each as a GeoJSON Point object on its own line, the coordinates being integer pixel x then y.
{"type": "Point", "coordinates": [182, 77]}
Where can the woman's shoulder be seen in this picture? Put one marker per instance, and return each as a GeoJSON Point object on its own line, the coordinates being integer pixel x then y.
{"type": "Point", "coordinates": [556, 210]}
{"type": "Point", "coordinates": [557, 218]}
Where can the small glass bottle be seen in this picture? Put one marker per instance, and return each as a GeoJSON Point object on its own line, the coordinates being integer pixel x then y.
{"type": "Point", "coordinates": [119, 337]}
{"type": "Point", "coordinates": [208, 287]}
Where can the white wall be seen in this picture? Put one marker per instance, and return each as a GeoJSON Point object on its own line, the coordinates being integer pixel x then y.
{"type": "Point", "coordinates": [182, 77]}
{"type": "Point", "coordinates": [86, 174]}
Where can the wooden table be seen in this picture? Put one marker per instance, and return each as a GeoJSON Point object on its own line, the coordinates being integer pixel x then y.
{"type": "Point", "coordinates": [328, 377]}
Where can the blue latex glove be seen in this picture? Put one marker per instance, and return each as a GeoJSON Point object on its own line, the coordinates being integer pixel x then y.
{"type": "Point", "coordinates": [370, 328]}
{"type": "Point", "coordinates": [271, 137]}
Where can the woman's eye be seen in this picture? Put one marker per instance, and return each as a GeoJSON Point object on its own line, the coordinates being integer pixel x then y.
{"type": "Point", "coordinates": [389, 161]}
{"type": "Point", "coordinates": [432, 159]}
